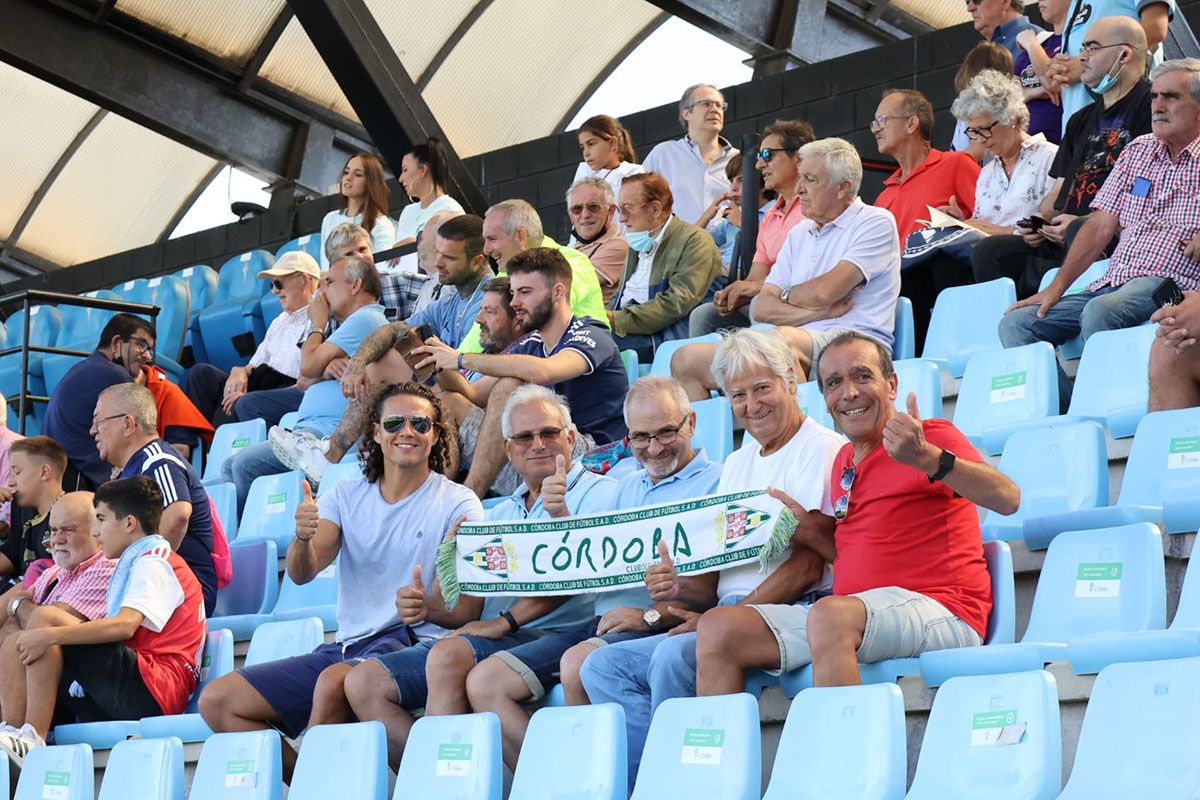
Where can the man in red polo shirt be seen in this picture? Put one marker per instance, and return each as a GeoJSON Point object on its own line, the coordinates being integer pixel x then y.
{"type": "Point", "coordinates": [908, 569]}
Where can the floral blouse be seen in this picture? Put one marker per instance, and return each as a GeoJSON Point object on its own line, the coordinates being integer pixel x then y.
{"type": "Point", "coordinates": [1002, 200]}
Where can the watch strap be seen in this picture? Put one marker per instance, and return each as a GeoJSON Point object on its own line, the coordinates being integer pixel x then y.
{"type": "Point", "coordinates": [513, 625]}
{"type": "Point", "coordinates": [945, 463]}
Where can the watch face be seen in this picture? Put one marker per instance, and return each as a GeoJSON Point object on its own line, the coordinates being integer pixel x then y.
{"type": "Point", "coordinates": [651, 616]}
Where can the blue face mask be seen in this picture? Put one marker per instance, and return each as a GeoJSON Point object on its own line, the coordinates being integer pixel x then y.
{"type": "Point", "coordinates": [641, 241]}
{"type": "Point", "coordinates": [1110, 78]}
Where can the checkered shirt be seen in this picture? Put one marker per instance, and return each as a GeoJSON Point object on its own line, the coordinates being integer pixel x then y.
{"type": "Point", "coordinates": [83, 588]}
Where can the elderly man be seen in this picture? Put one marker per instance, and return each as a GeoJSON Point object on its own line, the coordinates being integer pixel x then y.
{"type": "Point", "coordinates": [504, 650]}
{"type": "Point", "coordinates": [1000, 21]}
{"type": "Point", "coordinates": [592, 207]}
{"type": "Point", "coordinates": [694, 166]}
{"type": "Point", "coordinates": [264, 388]}
{"type": "Point", "coordinates": [127, 438]}
{"type": "Point", "coordinates": [838, 270]}
{"type": "Point", "coordinates": [669, 270]}
{"type": "Point", "coordinates": [907, 554]}
{"type": "Point", "coordinates": [783, 449]}
{"type": "Point", "coordinates": [1150, 198]}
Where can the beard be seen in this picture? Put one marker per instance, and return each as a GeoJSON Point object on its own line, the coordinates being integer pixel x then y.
{"type": "Point", "coordinates": [537, 316]}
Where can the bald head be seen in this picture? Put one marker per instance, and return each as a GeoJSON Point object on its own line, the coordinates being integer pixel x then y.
{"type": "Point", "coordinates": [71, 540]}
{"type": "Point", "coordinates": [1119, 29]}
{"type": "Point", "coordinates": [1121, 51]}
{"type": "Point", "coordinates": [427, 243]}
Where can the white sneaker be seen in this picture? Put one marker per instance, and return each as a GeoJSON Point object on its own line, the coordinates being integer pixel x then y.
{"type": "Point", "coordinates": [300, 450]}
{"type": "Point", "coordinates": [18, 743]}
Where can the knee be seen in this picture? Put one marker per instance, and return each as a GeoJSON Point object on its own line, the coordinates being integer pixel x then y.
{"type": "Point", "coordinates": [683, 360]}
{"type": "Point", "coordinates": [486, 682]}
{"type": "Point", "coordinates": [217, 702]}
{"type": "Point", "coordinates": [331, 683]}
{"type": "Point", "coordinates": [720, 631]}
{"type": "Point", "coordinates": [1014, 328]}
{"type": "Point", "coordinates": [450, 660]}
{"type": "Point", "coordinates": [502, 388]}
{"type": "Point", "coordinates": [571, 664]}
{"type": "Point", "coordinates": [366, 685]}
{"type": "Point", "coordinates": [833, 623]}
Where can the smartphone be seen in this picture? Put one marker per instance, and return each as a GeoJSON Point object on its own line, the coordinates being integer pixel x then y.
{"type": "Point", "coordinates": [1036, 222]}
{"type": "Point", "coordinates": [1167, 293]}
{"type": "Point", "coordinates": [415, 338]}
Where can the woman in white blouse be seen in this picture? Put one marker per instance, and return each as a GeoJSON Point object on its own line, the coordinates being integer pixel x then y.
{"type": "Point", "coordinates": [363, 195]}
{"type": "Point", "coordinates": [607, 152]}
{"type": "Point", "coordinates": [423, 173]}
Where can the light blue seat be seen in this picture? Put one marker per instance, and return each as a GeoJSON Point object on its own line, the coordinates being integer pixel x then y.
{"type": "Point", "coordinates": [633, 370]}
{"type": "Point", "coordinates": [663, 353]}
{"type": "Point", "coordinates": [1059, 468]}
{"type": "Point", "coordinates": [1112, 384]}
{"type": "Point", "coordinates": [144, 769]}
{"type": "Point", "coordinates": [227, 441]}
{"type": "Point", "coordinates": [308, 243]}
{"type": "Point", "coordinates": [965, 321]}
{"type": "Point", "coordinates": [239, 766]}
{"type": "Point", "coordinates": [172, 295]}
{"type": "Point", "coordinates": [188, 726]}
{"type": "Point", "coordinates": [44, 324]}
{"type": "Point", "coordinates": [224, 499]}
{"type": "Point", "coordinates": [992, 737]}
{"type": "Point", "coordinates": [342, 761]}
{"type": "Point", "coordinates": [79, 326]}
{"type": "Point", "coordinates": [577, 751]}
{"type": "Point", "coordinates": [1161, 482]}
{"type": "Point", "coordinates": [254, 589]}
{"type": "Point", "coordinates": [270, 511]}
{"type": "Point", "coordinates": [1139, 733]}
{"type": "Point", "coordinates": [812, 403]}
{"type": "Point", "coordinates": [100, 735]}
{"type": "Point", "coordinates": [1076, 595]}
{"type": "Point", "coordinates": [1072, 349]}
{"type": "Point", "coordinates": [232, 312]}
{"type": "Point", "coordinates": [708, 747]}
{"type": "Point", "coordinates": [269, 308]}
{"type": "Point", "coordinates": [1005, 389]}
{"type": "Point", "coordinates": [288, 421]}
{"type": "Point", "coordinates": [714, 428]}
{"type": "Point", "coordinates": [63, 772]}
{"type": "Point", "coordinates": [452, 758]}
{"type": "Point", "coordinates": [336, 473]}
{"type": "Point", "coordinates": [922, 377]}
{"type": "Point", "coordinates": [275, 640]}
{"type": "Point", "coordinates": [202, 283]}
{"type": "Point", "coordinates": [904, 334]}
{"type": "Point", "coordinates": [317, 598]}
{"type": "Point", "coordinates": [859, 751]}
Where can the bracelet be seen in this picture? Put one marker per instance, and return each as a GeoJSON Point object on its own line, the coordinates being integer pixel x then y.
{"type": "Point", "coordinates": [303, 539]}
{"type": "Point", "coordinates": [460, 361]}
{"type": "Point", "coordinates": [513, 625]}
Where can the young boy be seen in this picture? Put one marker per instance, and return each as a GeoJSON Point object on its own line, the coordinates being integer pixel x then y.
{"type": "Point", "coordinates": [36, 467]}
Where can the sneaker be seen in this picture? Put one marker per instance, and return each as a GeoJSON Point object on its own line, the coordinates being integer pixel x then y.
{"type": "Point", "coordinates": [18, 743]}
{"type": "Point", "coordinates": [300, 450]}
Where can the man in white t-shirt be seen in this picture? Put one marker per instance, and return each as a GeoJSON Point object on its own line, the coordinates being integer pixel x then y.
{"type": "Point", "coordinates": [785, 450]}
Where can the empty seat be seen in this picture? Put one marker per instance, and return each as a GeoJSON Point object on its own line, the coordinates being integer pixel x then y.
{"type": "Point", "coordinates": [317, 598]}
{"type": "Point", "coordinates": [80, 326]}
{"type": "Point", "coordinates": [336, 473]}
{"type": "Point", "coordinates": [452, 758]}
{"type": "Point", "coordinates": [1004, 389]}
{"type": "Point", "coordinates": [231, 315]}
{"type": "Point", "coordinates": [224, 500]}
{"type": "Point", "coordinates": [708, 747]}
{"type": "Point", "coordinates": [1112, 384]}
{"type": "Point", "coordinates": [63, 772]}
{"type": "Point", "coordinates": [309, 243]}
{"type": "Point", "coordinates": [144, 769]}
{"type": "Point", "coordinates": [1091, 582]}
{"type": "Point", "coordinates": [923, 378]}
{"type": "Point", "coordinates": [275, 640]}
{"type": "Point", "coordinates": [965, 321]}
{"type": "Point", "coordinates": [812, 403]}
{"type": "Point", "coordinates": [270, 510]}
{"type": "Point", "coordinates": [188, 726]}
{"type": "Point", "coordinates": [714, 428]}
{"type": "Point", "coordinates": [904, 334]}
{"type": "Point", "coordinates": [576, 751]}
{"type": "Point", "coordinates": [1139, 733]}
{"type": "Point", "coordinates": [992, 737]}
{"type": "Point", "coordinates": [44, 323]}
{"type": "Point", "coordinates": [633, 370]}
{"type": "Point", "coordinates": [663, 353]}
{"type": "Point", "coordinates": [860, 752]}
{"type": "Point", "coordinates": [254, 589]}
{"type": "Point", "coordinates": [239, 766]}
{"type": "Point", "coordinates": [227, 441]}
{"type": "Point", "coordinates": [342, 761]}
{"type": "Point", "coordinates": [202, 286]}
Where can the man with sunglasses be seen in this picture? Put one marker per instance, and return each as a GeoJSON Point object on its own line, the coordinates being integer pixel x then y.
{"type": "Point", "coordinates": [592, 208]}
{"type": "Point", "coordinates": [908, 569]}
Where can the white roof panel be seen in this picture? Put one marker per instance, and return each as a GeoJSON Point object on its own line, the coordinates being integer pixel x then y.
{"type": "Point", "coordinates": [229, 29]}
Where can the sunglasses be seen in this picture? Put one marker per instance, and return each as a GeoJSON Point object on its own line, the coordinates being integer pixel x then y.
{"type": "Point", "coordinates": [842, 507]}
{"type": "Point", "coordinates": [395, 422]}
{"type": "Point", "coordinates": [547, 435]}
{"type": "Point", "coordinates": [767, 153]}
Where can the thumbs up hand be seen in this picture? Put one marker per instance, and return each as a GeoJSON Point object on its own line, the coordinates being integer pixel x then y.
{"type": "Point", "coordinates": [554, 490]}
{"type": "Point", "coordinates": [412, 603]}
{"type": "Point", "coordinates": [662, 579]}
{"type": "Point", "coordinates": [904, 440]}
{"type": "Point", "coordinates": [307, 515]}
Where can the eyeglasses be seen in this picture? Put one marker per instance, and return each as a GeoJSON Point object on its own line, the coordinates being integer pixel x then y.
{"type": "Point", "coordinates": [707, 104]}
{"type": "Point", "coordinates": [663, 437]}
{"type": "Point", "coordinates": [547, 435]}
{"type": "Point", "coordinates": [881, 120]}
{"type": "Point", "coordinates": [1091, 47]}
{"type": "Point", "coordinates": [97, 420]}
{"type": "Point", "coordinates": [625, 210]}
{"type": "Point", "coordinates": [395, 422]}
{"type": "Point", "coordinates": [592, 208]}
{"type": "Point", "coordinates": [767, 153]}
{"type": "Point", "coordinates": [142, 345]}
{"type": "Point", "coordinates": [842, 507]}
{"type": "Point", "coordinates": [982, 133]}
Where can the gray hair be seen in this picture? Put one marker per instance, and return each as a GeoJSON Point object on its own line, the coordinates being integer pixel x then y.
{"type": "Point", "coordinates": [137, 402]}
{"type": "Point", "coordinates": [841, 160]}
{"type": "Point", "coordinates": [656, 385]}
{"type": "Point", "coordinates": [516, 214]}
{"type": "Point", "coordinates": [533, 393]}
{"type": "Point", "coordinates": [1190, 65]}
{"type": "Point", "coordinates": [994, 94]}
{"type": "Point", "coordinates": [362, 269]}
{"type": "Point", "coordinates": [598, 183]}
{"type": "Point", "coordinates": [340, 238]}
{"type": "Point", "coordinates": [686, 100]}
{"type": "Point", "coordinates": [748, 349]}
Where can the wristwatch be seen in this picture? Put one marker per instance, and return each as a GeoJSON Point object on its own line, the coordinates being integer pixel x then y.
{"type": "Point", "coordinates": [15, 604]}
{"type": "Point", "coordinates": [513, 625]}
{"type": "Point", "coordinates": [651, 617]}
{"type": "Point", "coordinates": [783, 296]}
{"type": "Point", "coordinates": [945, 464]}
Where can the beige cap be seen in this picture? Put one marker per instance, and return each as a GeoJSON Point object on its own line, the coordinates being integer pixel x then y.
{"type": "Point", "coordinates": [290, 262]}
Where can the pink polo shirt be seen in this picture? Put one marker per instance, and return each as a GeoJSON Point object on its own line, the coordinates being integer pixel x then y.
{"type": "Point", "coordinates": [773, 229]}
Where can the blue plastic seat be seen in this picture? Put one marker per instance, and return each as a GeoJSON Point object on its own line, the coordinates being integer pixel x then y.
{"type": "Point", "coordinates": [144, 769]}
{"type": "Point", "coordinates": [1077, 595]}
{"type": "Point", "coordinates": [632, 369]}
{"type": "Point", "coordinates": [965, 321]}
{"type": "Point", "coordinates": [1003, 390]}
{"type": "Point", "coordinates": [904, 335]}
{"type": "Point", "coordinates": [708, 747]}
{"type": "Point", "coordinates": [63, 772]}
{"type": "Point", "coordinates": [342, 761]}
{"type": "Point", "coordinates": [44, 324]}
{"type": "Point", "coordinates": [577, 751]}
{"type": "Point", "coordinates": [224, 499]}
{"type": "Point", "coordinates": [228, 440]}
{"type": "Point", "coordinates": [232, 312]}
{"type": "Point", "coordinates": [992, 737]}
{"type": "Point", "coordinates": [336, 473]}
{"type": "Point", "coordinates": [79, 327]}
{"type": "Point", "coordinates": [812, 403]}
{"type": "Point", "coordinates": [663, 353]}
{"type": "Point", "coordinates": [308, 243]}
{"type": "Point", "coordinates": [1139, 733]}
{"type": "Point", "coordinates": [452, 758]}
{"type": "Point", "coordinates": [100, 735]}
{"type": "Point", "coordinates": [239, 766]}
{"type": "Point", "coordinates": [275, 640]}
{"type": "Point", "coordinates": [1112, 384]}
{"type": "Point", "coordinates": [1073, 349]}
{"type": "Point", "coordinates": [317, 598]}
{"type": "Point", "coordinates": [270, 510]}
{"type": "Point", "coordinates": [924, 379]}
{"type": "Point", "coordinates": [202, 286]}
{"type": "Point", "coordinates": [714, 428]}
{"type": "Point", "coordinates": [254, 588]}
{"type": "Point", "coordinates": [860, 752]}
{"type": "Point", "coordinates": [288, 421]}
{"type": "Point", "coordinates": [1059, 468]}
{"type": "Point", "coordinates": [188, 726]}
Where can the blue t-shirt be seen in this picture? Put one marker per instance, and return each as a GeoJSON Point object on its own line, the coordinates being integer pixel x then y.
{"type": "Point", "coordinates": [452, 316]}
{"type": "Point", "coordinates": [176, 480]}
{"type": "Point", "coordinates": [597, 396]}
{"type": "Point", "coordinates": [587, 493]}
{"type": "Point", "coordinates": [69, 415]}
{"type": "Point", "coordinates": [1006, 33]}
{"type": "Point", "coordinates": [322, 406]}
{"type": "Point", "coordinates": [635, 489]}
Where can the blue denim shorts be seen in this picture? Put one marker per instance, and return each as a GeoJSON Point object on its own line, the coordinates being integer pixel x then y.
{"type": "Point", "coordinates": [537, 661]}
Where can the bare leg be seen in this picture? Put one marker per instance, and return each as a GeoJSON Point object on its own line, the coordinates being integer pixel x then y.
{"type": "Point", "coordinates": [729, 641]}
{"type": "Point", "coordinates": [450, 661]}
{"type": "Point", "coordinates": [1174, 377]}
{"type": "Point", "coordinates": [12, 687]}
{"type": "Point", "coordinates": [692, 367]}
{"type": "Point", "coordinates": [489, 450]}
{"type": "Point", "coordinates": [372, 695]}
{"type": "Point", "coordinates": [568, 674]}
{"type": "Point", "coordinates": [230, 704]}
{"type": "Point", "coordinates": [835, 631]}
{"type": "Point", "coordinates": [42, 678]}
{"type": "Point", "coordinates": [493, 686]}
{"type": "Point", "coordinates": [330, 705]}
{"type": "Point", "coordinates": [801, 344]}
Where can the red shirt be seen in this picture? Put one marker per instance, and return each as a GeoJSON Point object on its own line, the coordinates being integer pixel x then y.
{"type": "Point", "coordinates": [931, 183]}
{"type": "Point", "coordinates": [901, 530]}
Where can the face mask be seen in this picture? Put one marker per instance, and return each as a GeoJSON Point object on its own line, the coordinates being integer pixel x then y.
{"type": "Point", "coordinates": [1110, 78]}
{"type": "Point", "coordinates": [582, 240]}
{"type": "Point", "coordinates": [640, 241]}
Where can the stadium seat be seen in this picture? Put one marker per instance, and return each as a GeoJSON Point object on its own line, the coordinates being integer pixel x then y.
{"type": "Point", "coordinates": [224, 499]}
{"type": "Point", "coordinates": [1112, 383]}
{"type": "Point", "coordinates": [239, 766]}
{"type": "Point", "coordinates": [1072, 349]}
{"type": "Point", "coordinates": [202, 286]}
{"type": "Point", "coordinates": [254, 589]}
{"type": "Point", "coordinates": [859, 754]}
{"type": "Point", "coordinates": [336, 473]}
{"type": "Point", "coordinates": [79, 329]}
{"type": "Point", "coordinates": [228, 439]}
{"type": "Point", "coordinates": [268, 309]}
{"type": "Point", "coordinates": [309, 243]}
{"type": "Point", "coordinates": [1061, 467]}
{"type": "Point", "coordinates": [1139, 733]}
{"type": "Point", "coordinates": [172, 296]}
{"type": "Point", "coordinates": [347, 760]}
{"type": "Point", "coordinates": [270, 511]}
{"type": "Point", "coordinates": [992, 737]}
{"type": "Point", "coordinates": [288, 421]}
{"type": "Point", "coordinates": [1161, 483]}
{"type": "Point", "coordinates": [44, 324]}
{"type": "Point", "coordinates": [188, 726]}
{"type": "Point", "coordinates": [239, 293]}
{"type": "Point", "coordinates": [452, 758]}
{"type": "Point", "coordinates": [663, 353]}
{"type": "Point", "coordinates": [964, 322]}
{"type": "Point", "coordinates": [63, 772]}
{"type": "Point", "coordinates": [714, 428]}
{"type": "Point", "coordinates": [925, 379]}
{"type": "Point", "coordinates": [317, 598]}
{"type": "Point", "coordinates": [632, 369]}
{"type": "Point", "coordinates": [904, 334]}
{"type": "Point", "coordinates": [577, 751]}
{"type": "Point", "coordinates": [812, 403]}
{"type": "Point", "coordinates": [144, 769]}
{"type": "Point", "coordinates": [1076, 595]}
{"type": "Point", "coordinates": [1004, 389]}
{"type": "Point", "coordinates": [708, 747]}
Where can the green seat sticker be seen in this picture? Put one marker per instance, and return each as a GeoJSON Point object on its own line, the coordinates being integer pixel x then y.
{"type": "Point", "coordinates": [238, 444]}
{"type": "Point", "coordinates": [703, 746]}
{"type": "Point", "coordinates": [986, 726]}
{"type": "Point", "coordinates": [276, 503]}
{"type": "Point", "coordinates": [240, 774]}
{"type": "Point", "coordinates": [56, 785]}
{"type": "Point", "coordinates": [1098, 579]}
{"type": "Point", "coordinates": [1184, 452]}
{"type": "Point", "coordinates": [453, 760]}
{"type": "Point", "coordinates": [1008, 387]}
